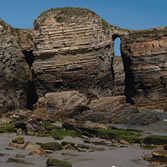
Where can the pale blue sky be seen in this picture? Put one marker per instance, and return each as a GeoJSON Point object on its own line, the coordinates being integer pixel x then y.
{"type": "Point", "coordinates": [132, 14]}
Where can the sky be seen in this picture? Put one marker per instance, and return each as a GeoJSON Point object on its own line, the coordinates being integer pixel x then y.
{"type": "Point", "coordinates": [131, 14]}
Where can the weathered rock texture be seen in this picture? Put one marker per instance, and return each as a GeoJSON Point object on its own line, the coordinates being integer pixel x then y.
{"type": "Point", "coordinates": [114, 109]}
{"type": "Point", "coordinates": [58, 104]}
{"type": "Point", "coordinates": [14, 71]}
{"type": "Point", "coordinates": [74, 50]}
{"type": "Point", "coordinates": [119, 76]}
{"type": "Point", "coordinates": [144, 54]}
{"type": "Point", "coordinates": [24, 38]}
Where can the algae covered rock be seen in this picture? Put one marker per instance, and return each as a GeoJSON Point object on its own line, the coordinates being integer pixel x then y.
{"type": "Point", "coordinates": [18, 161]}
{"type": "Point", "coordinates": [54, 146]}
{"type": "Point", "coordinates": [162, 154]}
{"type": "Point", "coordinates": [19, 140]}
{"type": "Point", "coordinates": [155, 139]}
{"type": "Point", "coordinates": [57, 163]}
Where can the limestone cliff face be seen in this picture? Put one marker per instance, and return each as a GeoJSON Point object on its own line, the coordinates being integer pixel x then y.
{"type": "Point", "coordinates": [14, 71]}
{"type": "Point", "coordinates": [144, 53]}
{"type": "Point", "coordinates": [24, 38]}
{"type": "Point", "coordinates": [119, 76]}
{"type": "Point", "coordinates": [74, 50]}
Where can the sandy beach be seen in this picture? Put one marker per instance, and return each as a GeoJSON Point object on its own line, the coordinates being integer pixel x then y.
{"type": "Point", "coordinates": [118, 157]}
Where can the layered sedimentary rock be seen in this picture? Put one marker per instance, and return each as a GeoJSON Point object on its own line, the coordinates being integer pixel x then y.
{"type": "Point", "coordinates": [114, 109]}
{"type": "Point", "coordinates": [74, 51]}
{"type": "Point", "coordinates": [119, 76]}
{"type": "Point", "coordinates": [14, 71]}
{"type": "Point", "coordinates": [24, 38]}
{"type": "Point", "coordinates": [144, 54]}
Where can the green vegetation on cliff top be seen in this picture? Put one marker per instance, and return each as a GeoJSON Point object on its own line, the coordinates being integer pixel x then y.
{"type": "Point", "coordinates": [68, 11]}
{"type": "Point", "coordinates": [154, 32]}
{"type": "Point", "coordinates": [63, 15]}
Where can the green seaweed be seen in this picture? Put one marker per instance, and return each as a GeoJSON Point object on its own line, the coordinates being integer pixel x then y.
{"type": "Point", "coordinates": [57, 163]}
{"type": "Point", "coordinates": [118, 134]}
{"type": "Point", "coordinates": [18, 161]}
{"type": "Point", "coordinates": [61, 133]}
{"type": "Point", "coordinates": [7, 128]}
{"type": "Point", "coordinates": [58, 133]}
{"type": "Point", "coordinates": [155, 139]}
{"type": "Point", "coordinates": [54, 146]}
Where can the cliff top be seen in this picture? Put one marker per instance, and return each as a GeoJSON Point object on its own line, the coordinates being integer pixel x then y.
{"type": "Point", "coordinates": [66, 14]}
{"type": "Point", "coordinates": [63, 14]}
{"type": "Point", "coordinates": [4, 27]}
{"type": "Point", "coordinates": [153, 32]}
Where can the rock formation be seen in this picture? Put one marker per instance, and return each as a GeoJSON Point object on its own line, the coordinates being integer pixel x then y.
{"type": "Point", "coordinates": [144, 54]}
{"type": "Point", "coordinates": [72, 49]}
{"type": "Point", "coordinates": [119, 76]}
{"type": "Point", "coordinates": [60, 104]}
{"type": "Point", "coordinates": [14, 71]}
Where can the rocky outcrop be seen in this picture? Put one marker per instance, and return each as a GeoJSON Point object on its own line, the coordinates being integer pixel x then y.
{"type": "Point", "coordinates": [60, 104]}
{"type": "Point", "coordinates": [74, 51]}
{"type": "Point", "coordinates": [69, 56]}
{"type": "Point", "coordinates": [114, 109]}
{"type": "Point", "coordinates": [144, 56]}
{"type": "Point", "coordinates": [14, 71]}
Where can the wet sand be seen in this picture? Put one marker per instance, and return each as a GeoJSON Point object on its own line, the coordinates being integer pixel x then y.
{"type": "Point", "coordinates": [119, 157]}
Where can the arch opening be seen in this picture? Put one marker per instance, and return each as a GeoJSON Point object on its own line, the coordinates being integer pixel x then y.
{"type": "Point", "coordinates": [118, 67]}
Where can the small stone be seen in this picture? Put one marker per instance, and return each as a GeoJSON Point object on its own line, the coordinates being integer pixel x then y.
{"type": "Point", "coordinates": [121, 141]}
{"type": "Point", "coordinates": [68, 143]}
{"type": "Point", "coordinates": [97, 149]}
{"type": "Point", "coordinates": [19, 140]}
{"type": "Point", "coordinates": [15, 145]}
{"type": "Point", "coordinates": [38, 151]}
{"type": "Point", "coordinates": [30, 146]}
{"type": "Point", "coordinates": [160, 155]}
{"type": "Point", "coordinates": [69, 147]}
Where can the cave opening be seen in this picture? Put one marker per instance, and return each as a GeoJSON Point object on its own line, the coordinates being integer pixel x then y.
{"type": "Point", "coordinates": [29, 57]}
{"type": "Point", "coordinates": [31, 94]}
{"type": "Point", "coordinates": [118, 67]}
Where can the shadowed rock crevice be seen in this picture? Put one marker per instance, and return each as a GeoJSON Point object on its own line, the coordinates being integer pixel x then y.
{"type": "Point", "coordinates": [31, 88]}
{"type": "Point", "coordinates": [29, 57]}
{"type": "Point", "coordinates": [31, 95]}
{"type": "Point", "coordinates": [129, 80]}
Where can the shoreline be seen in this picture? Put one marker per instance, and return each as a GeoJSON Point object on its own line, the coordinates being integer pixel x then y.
{"type": "Point", "coordinates": [111, 156]}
